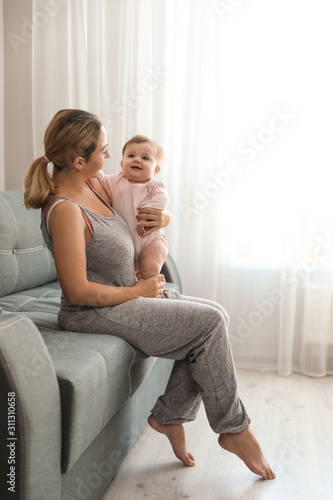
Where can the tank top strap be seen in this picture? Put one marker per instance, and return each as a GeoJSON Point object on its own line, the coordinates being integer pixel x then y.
{"type": "Point", "coordinates": [90, 183]}
{"type": "Point", "coordinates": [59, 200]}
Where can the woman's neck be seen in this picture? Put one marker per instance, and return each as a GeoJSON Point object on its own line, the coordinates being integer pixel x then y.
{"type": "Point", "coordinates": [70, 184]}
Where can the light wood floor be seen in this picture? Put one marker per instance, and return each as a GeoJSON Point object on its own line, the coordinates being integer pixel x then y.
{"type": "Point", "coordinates": [292, 419]}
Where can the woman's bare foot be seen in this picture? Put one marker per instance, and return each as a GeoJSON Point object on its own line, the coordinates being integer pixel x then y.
{"type": "Point", "coordinates": [246, 447]}
{"type": "Point", "coordinates": [176, 435]}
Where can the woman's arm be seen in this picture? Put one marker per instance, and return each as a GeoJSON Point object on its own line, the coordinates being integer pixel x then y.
{"type": "Point", "coordinates": [69, 234]}
{"type": "Point", "coordinates": [153, 218]}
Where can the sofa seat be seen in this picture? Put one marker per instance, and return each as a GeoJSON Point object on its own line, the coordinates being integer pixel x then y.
{"type": "Point", "coordinates": [96, 374]}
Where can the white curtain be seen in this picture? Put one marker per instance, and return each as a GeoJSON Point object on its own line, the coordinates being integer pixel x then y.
{"type": "Point", "coordinates": [239, 95]}
{"type": "Point", "coordinates": [2, 103]}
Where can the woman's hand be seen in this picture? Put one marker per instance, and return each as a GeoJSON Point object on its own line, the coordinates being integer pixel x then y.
{"type": "Point", "coordinates": [150, 288]}
{"type": "Point", "coordinates": [152, 219]}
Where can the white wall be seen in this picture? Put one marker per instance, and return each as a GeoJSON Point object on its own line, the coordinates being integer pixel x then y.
{"type": "Point", "coordinates": [17, 43]}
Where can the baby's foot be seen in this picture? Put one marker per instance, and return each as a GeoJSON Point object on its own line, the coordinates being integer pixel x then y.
{"type": "Point", "coordinates": [176, 435]}
{"type": "Point", "coordinates": [246, 447]}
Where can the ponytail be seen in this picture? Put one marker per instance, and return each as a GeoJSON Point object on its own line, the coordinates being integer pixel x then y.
{"type": "Point", "coordinates": [70, 133]}
{"type": "Point", "coordinates": [38, 184]}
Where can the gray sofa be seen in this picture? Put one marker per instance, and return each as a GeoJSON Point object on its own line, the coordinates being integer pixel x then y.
{"type": "Point", "coordinates": [72, 404]}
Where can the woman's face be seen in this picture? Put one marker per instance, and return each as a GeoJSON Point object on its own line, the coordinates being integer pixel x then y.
{"type": "Point", "coordinates": [98, 156]}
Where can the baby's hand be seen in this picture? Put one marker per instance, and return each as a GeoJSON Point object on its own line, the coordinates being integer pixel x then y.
{"type": "Point", "coordinates": [137, 273]}
{"type": "Point", "coordinates": [141, 230]}
{"type": "Point", "coordinates": [151, 287]}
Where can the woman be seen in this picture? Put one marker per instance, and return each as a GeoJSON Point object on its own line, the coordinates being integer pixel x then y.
{"type": "Point", "coordinates": [94, 255]}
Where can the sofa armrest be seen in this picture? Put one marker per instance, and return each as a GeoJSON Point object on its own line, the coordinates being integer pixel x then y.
{"type": "Point", "coordinates": [30, 413]}
{"type": "Point", "coordinates": [170, 271]}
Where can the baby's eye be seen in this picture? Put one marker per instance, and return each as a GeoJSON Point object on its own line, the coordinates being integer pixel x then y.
{"type": "Point", "coordinates": [145, 158]}
{"type": "Point", "coordinates": [131, 155]}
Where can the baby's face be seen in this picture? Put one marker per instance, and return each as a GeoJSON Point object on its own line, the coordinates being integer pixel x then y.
{"type": "Point", "coordinates": [139, 162]}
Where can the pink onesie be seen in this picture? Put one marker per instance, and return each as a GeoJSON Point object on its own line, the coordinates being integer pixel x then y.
{"type": "Point", "coordinates": [127, 198]}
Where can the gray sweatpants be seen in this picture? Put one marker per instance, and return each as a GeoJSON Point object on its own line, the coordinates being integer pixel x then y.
{"type": "Point", "coordinates": [193, 332]}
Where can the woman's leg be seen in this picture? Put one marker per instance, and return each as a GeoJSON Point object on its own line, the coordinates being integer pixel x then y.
{"type": "Point", "coordinates": [244, 443]}
{"type": "Point", "coordinates": [194, 333]}
{"type": "Point", "coordinates": [182, 394]}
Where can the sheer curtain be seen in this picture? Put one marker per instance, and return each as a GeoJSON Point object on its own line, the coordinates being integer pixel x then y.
{"type": "Point", "coordinates": [276, 245]}
{"type": "Point", "coordinates": [239, 95]}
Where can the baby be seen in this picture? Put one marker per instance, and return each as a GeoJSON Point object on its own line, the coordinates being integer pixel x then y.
{"type": "Point", "coordinates": [135, 187]}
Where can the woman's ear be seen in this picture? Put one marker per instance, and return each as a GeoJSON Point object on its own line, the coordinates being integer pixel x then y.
{"type": "Point", "coordinates": [78, 162]}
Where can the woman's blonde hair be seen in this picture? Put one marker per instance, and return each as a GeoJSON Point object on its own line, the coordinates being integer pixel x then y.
{"type": "Point", "coordinates": [138, 139]}
{"type": "Point", "coordinates": [71, 133]}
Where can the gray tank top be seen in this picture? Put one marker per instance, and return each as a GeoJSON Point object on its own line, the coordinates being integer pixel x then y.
{"type": "Point", "coordinates": [109, 254]}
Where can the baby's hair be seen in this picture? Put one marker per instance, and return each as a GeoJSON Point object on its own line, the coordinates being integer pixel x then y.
{"type": "Point", "coordinates": [138, 139]}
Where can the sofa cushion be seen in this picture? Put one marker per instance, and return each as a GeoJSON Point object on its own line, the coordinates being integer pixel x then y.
{"type": "Point", "coordinates": [25, 262]}
{"type": "Point", "coordinates": [40, 304]}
